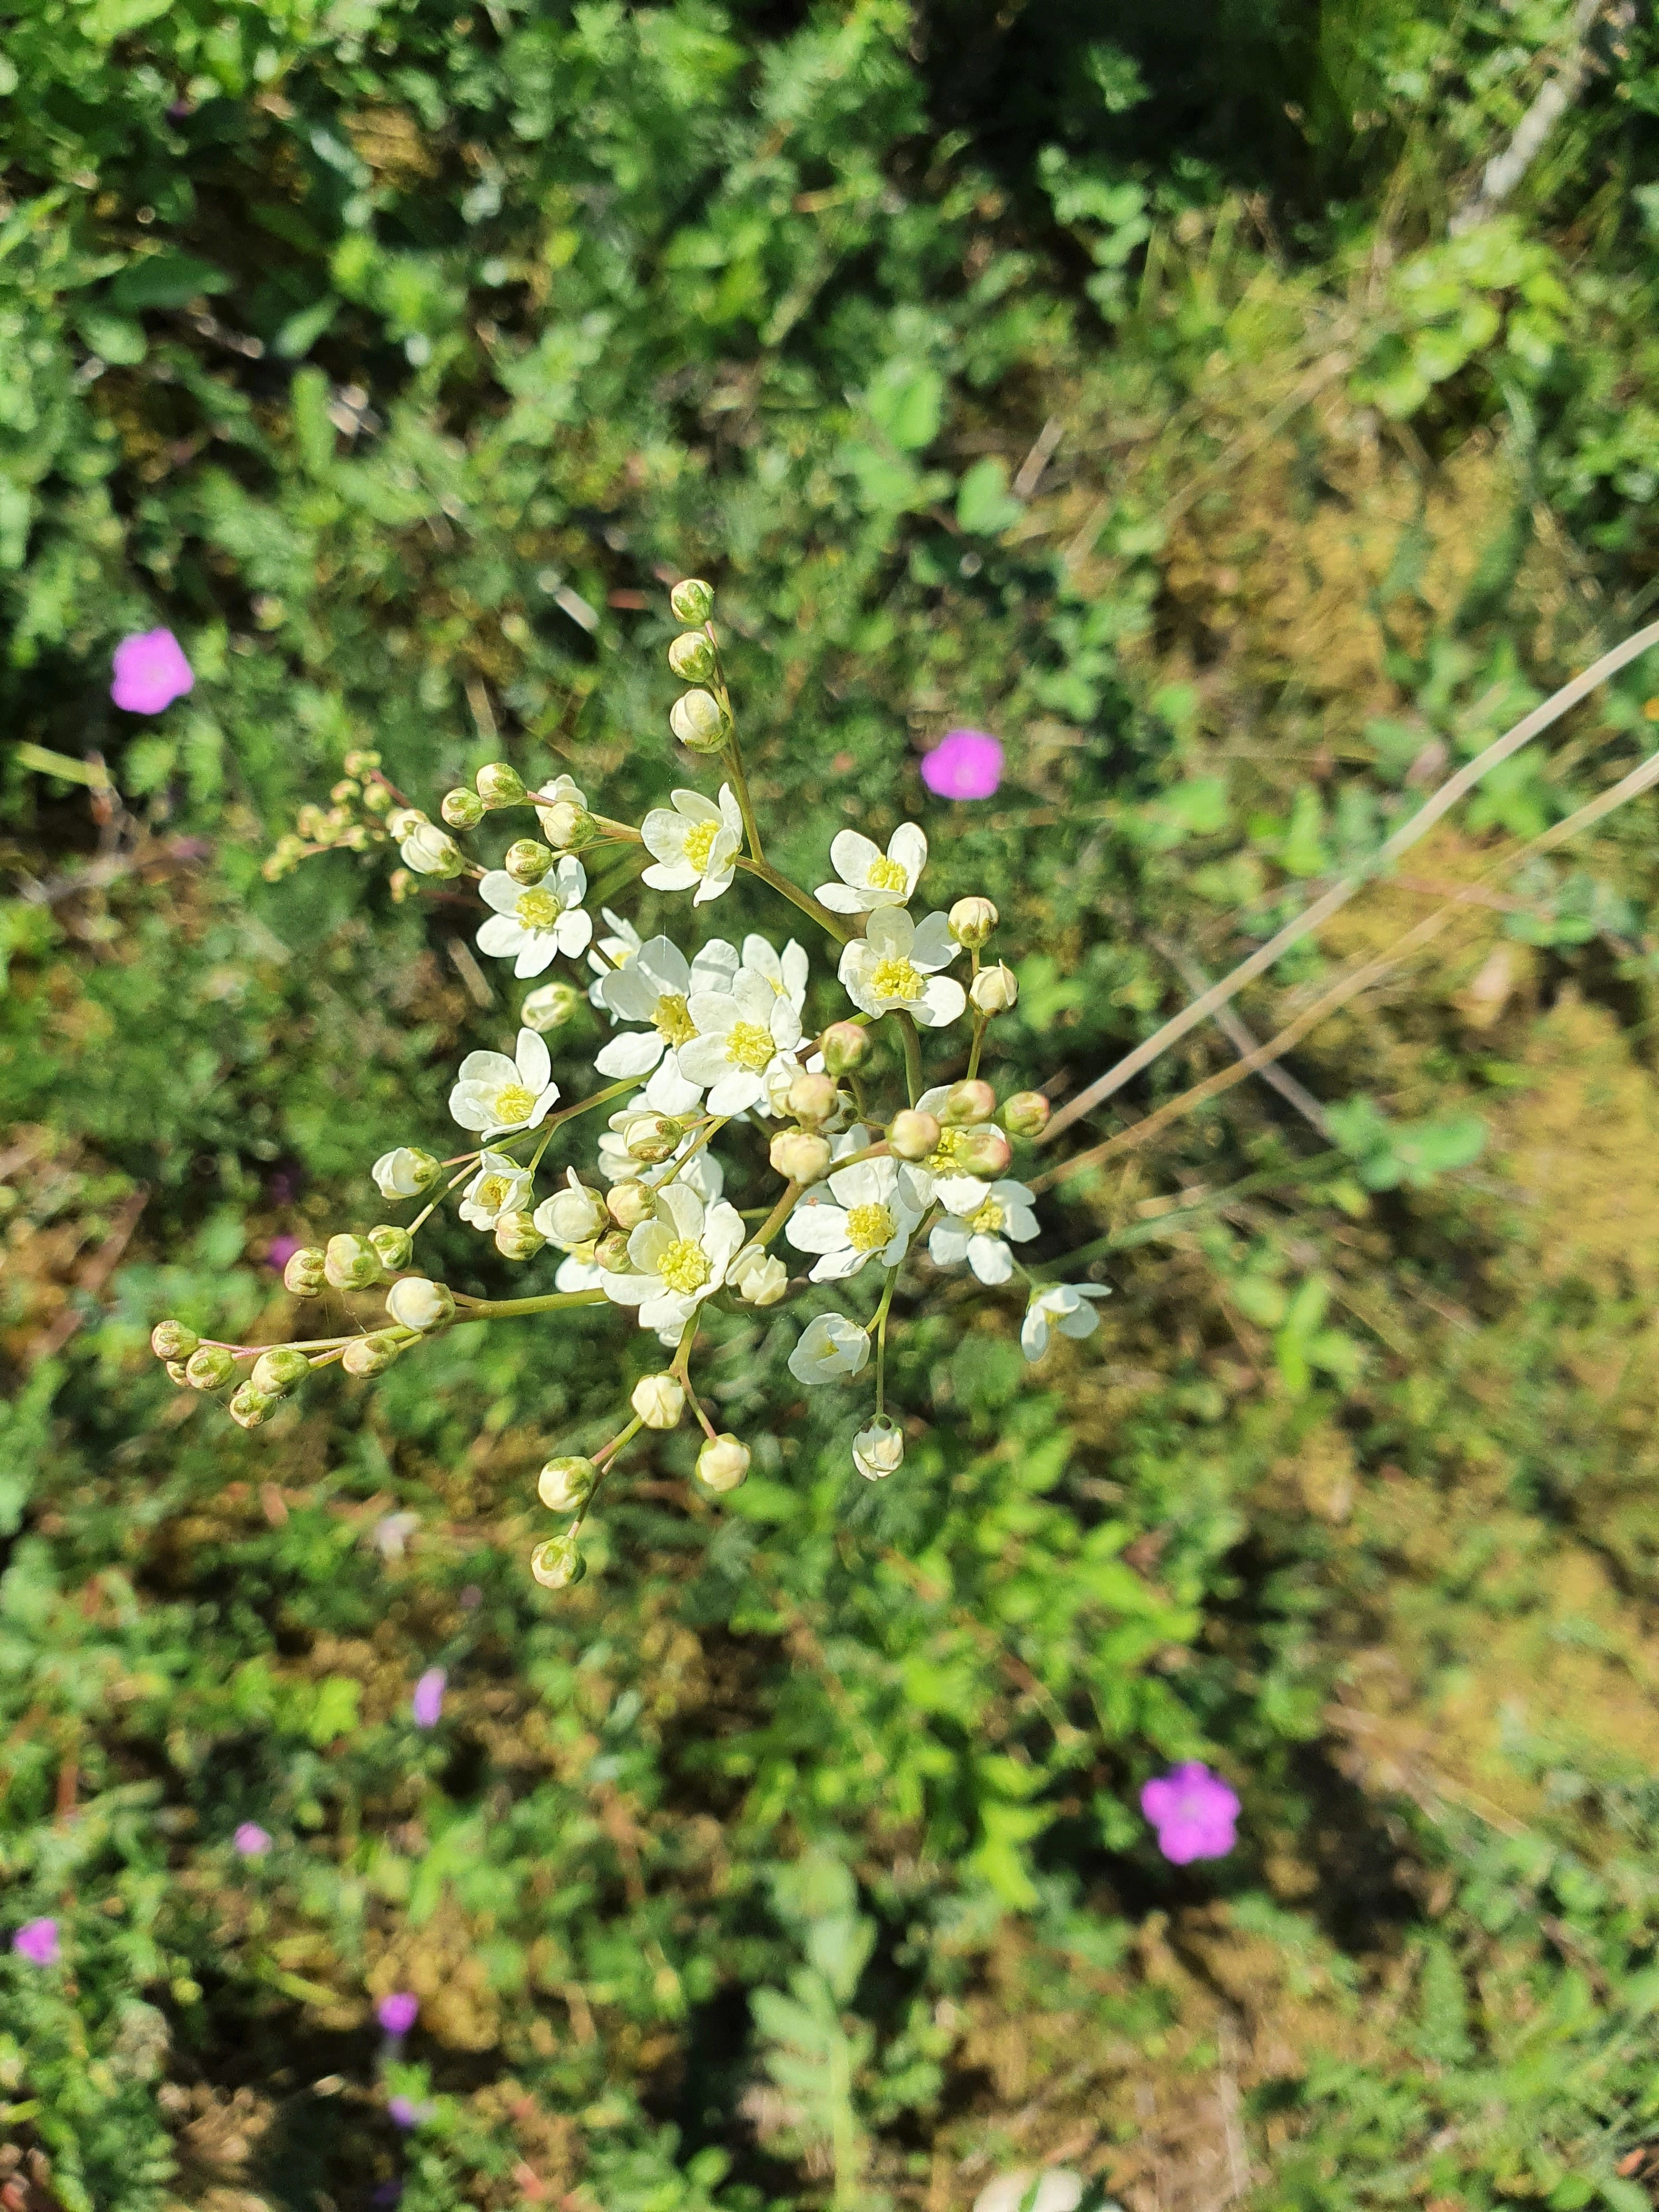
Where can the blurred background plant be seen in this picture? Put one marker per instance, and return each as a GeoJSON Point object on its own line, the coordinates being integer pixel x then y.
{"type": "Point", "coordinates": [1218, 408]}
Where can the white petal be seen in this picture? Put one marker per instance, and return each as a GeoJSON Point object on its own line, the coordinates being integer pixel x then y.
{"type": "Point", "coordinates": [575, 932]}
{"type": "Point", "coordinates": [501, 936]}
{"type": "Point", "coordinates": [816, 1225]}
{"type": "Point", "coordinates": [891, 931]}
{"type": "Point", "coordinates": [841, 899]}
{"type": "Point", "coordinates": [908, 847]}
{"type": "Point", "coordinates": [498, 889]}
{"type": "Point", "coordinates": [960, 1193]}
{"type": "Point", "coordinates": [948, 1246]}
{"type": "Point", "coordinates": [535, 1062]}
{"type": "Point", "coordinates": [490, 1068]}
{"type": "Point", "coordinates": [684, 1208]}
{"type": "Point", "coordinates": [731, 811]}
{"type": "Point", "coordinates": [862, 1185]}
{"type": "Point", "coordinates": [679, 875]}
{"type": "Point", "coordinates": [669, 1091]}
{"type": "Point", "coordinates": [934, 945]}
{"type": "Point", "coordinates": [836, 1267]}
{"type": "Point", "coordinates": [703, 1061]}
{"type": "Point", "coordinates": [694, 807]}
{"type": "Point", "coordinates": [1034, 1334]}
{"type": "Point", "coordinates": [941, 1002]}
{"type": "Point", "coordinates": [714, 1011]}
{"type": "Point", "coordinates": [737, 1092]}
{"type": "Point", "coordinates": [853, 856]}
{"type": "Point", "coordinates": [661, 959]}
{"type": "Point", "coordinates": [990, 1259]}
{"type": "Point", "coordinates": [571, 877]}
{"type": "Point", "coordinates": [541, 949]}
{"type": "Point", "coordinates": [631, 1053]}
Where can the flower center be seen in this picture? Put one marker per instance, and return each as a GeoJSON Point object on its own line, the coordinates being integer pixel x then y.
{"type": "Point", "coordinates": [987, 1222]}
{"type": "Point", "coordinates": [685, 1266]}
{"type": "Point", "coordinates": [869, 1227]}
{"type": "Point", "coordinates": [896, 979]}
{"type": "Point", "coordinates": [886, 875]}
{"type": "Point", "coordinates": [748, 1045]}
{"type": "Point", "coordinates": [672, 1019]}
{"type": "Point", "coordinates": [493, 1192]}
{"type": "Point", "coordinates": [514, 1104]}
{"type": "Point", "coordinates": [943, 1157]}
{"type": "Point", "coordinates": [538, 909]}
{"type": "Point", "coordinates": [700, 843]}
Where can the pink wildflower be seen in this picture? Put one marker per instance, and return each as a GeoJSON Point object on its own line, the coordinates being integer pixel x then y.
{"type": "Point", "coordinates": [1193, 1811]}
{"type": "Point", "coordinates": [428, 1702]}
{"type": "Point", "coordinates": [397, 2013]}
{"type": "Point", "coordinates": [963, 765]}
{"type": "Point", "coordinates": [151, 672]}
{"type": "Point", "coordinates": [37, 1941]}
{"type": "Point", "coordinates": [251, 1840]}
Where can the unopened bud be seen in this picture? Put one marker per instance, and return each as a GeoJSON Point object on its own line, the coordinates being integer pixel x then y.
{"type": "Point", "coordinates": [811, 1099]}
{"type": "Point", "coordinates": [370, 1355]}
{"type": "Point", "coordinates": [692, 657]}
{"type": "Point", "coordinates": [799, 1156]}
{"type": "Point", "coordinates": [574, 1215]}
{"type": "Point", "coordinates": [500, 783]}
{"type": "Point", "coordinates": [565, 824]}
{"type": "Point", "coordinates": [418, 1302]}
{"type": "Point", "coordinates": [757, 1278]}
{"type": "Point", "coordinates": [377, 799]}
{"type": "Point", "coordinates": [550, 1006]}
{"type": "Point", "coordinates": [249, 1407]}
{"type": "Point", "coordinates": [406, 1173]}
{"type": "Point", "coordinates": [526, 860]}
{"type": "Point", "coordinates": [723, 1463]}
{"type": "Point", "coordinates": [610, 1253]}
{"type": "Point", "coordinates": [517, 1237]}
{"type": "Point", "coordinates": [1025, 1114]}
{"type": "Point", "coordinates": [176, 1373]}
{"type": "Point", "coordinates": [208, 1368]}
{"type": "Point", "coordinates": [964, 1103]}
{"type": "Point", "coordinates": [565, 1486]}
{"type": "Point", "coordinates": [351, 1263]}
{"type": "Point", "coordinates": [659, 1400]}
{"type": "Point", "coordinates": [395, 1246]}
{"type": "Point", "coordinates": [461, 808]}
{"type": "Point", "coordinates": [278, 1371]}
{"type": "Point", "coordinates": [630, 1203]}
{"type": "Point", "coordinates": [306, 1272]}
{"type": "Point", "coordinates": [431, 851]}
{"type": "Point", "coordinates": [846, 1046]}
{"type": "Point", "coordinates": [557, 1565]}
{"type": "Point", "coordinates": [650, 1138]}
{"type": "Point", "coordinates": [692, 600]}
{"type": "Point", "coordinates": [878, 1451]}
{"type": "Point", "coordinates": [912, 1134]}
{"type": "Point", "coordinates": [359, 763]}
{"type": "Point", "coordinates": [982, 1152]}
{"type": "Point", "coordinates": [171, 1339]}
{"type": "Point", "coordinates": [971, 921]}
{"type": "Point", "coordinates": [993, 990]}
{"type": "Point", "coordinates": [401, 884]}
{"type": "Point", "coordinates": [697, 720]}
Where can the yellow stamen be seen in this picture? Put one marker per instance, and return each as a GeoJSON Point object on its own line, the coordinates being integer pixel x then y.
{"type": "Point", "coordinates": [493, 1192]}
{"type": "Point", "coordinates": [700, 843]}
{"type": "Point", "coordinates": [536, 909]}
{"type": "Point", "coordinates": [896, 979]}
{"type": "Point", "coordinates": [672, 1019]}
{"type": "Point", "coordinates": [869, 1227]}
{"type": "Point", "coordinates": [514, 1104]}
{"type": "Point", "coordinates": [748, 1045]}
{"type": "Point", "coordinates": [886, 875]}
{"type": "Point", "coordinates": [685, 1266]}
{"type": "Point", "coordinates": [989, 1221]}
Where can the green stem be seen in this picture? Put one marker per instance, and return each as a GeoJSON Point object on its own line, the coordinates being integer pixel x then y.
{"type": "Point", "coordinates": [879, 1325]}
{"type": "Point", "coordinates": [510, 1309]}
{"type": "Point", "coordinates": [833, 923]}
{"type": "Point", "coordinates": [913, 1077]}
{"type": "Point", "coordinates": [981, 1023]}
{"type": "Point", "coordinates": [780, 1213]}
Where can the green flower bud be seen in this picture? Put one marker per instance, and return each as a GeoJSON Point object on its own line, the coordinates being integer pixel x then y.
{"type": "Point", "coordinates": [417, 1303]}
{"type": "Point", "coordinates": [799, 1156]}
{"type": "Point", "coordinates": [351, 1263]}
{"type": "Point", "coordinates": [1025, 1114]}
{"type": "Point", "coordinates": [431, 851]}
{"type": "Point", "coordinates": [878, 1451]}
{"type": "Point", "coordinates": [306, 1272]}
{"type": "Point", "coordinates": [811, 1099]}
{"type": "Point", "coordinates": [965, 1103]}
{"type": "Point", "coordinates": [461, 808]}
{"type": "Point", "coordinates": [723, 1463]}
{"type": "Point", "coordinates": [176, 1372]}
{"type": "Point", "coordinates": [994, 989]}
{"type": "Point", "coordinates": [370, 1355]}
{"type": "Point", "coordinates": [698, 721]}
{"type": "Point", "coordinates": [567, 825]}
{"type": "Point", "coordinates": [210, 1368]}
{"type": "Point", "coordinates": [982, 1152]}
{"type": "Point", "coordinates": [572, 1217]}
{"type": "Point", "coordinates": [630, 1203]}
{"type": "Point", "coordinates": [692, 657]}
{"type": "Point", "coordinates": [395, 1246]}
{"type": "Point", "coordinates": [526, 860]}
{"type": "Point", "coordinates": [651, 1139]}
{"type": "Point", "coordinates": [517, 1237]}
{"type": "Point", "coordinates": [377, 799]}
{"type": "Point", "coordinates": [500, 783]}
{"type": "Point", "coordinates": [249, 1407]}
{"type": "Point", "coordinates": [846, 1046]}
{"type": "Point", "coordinates": [610, 1253]}
{"type": "Point", "coordinates": [278, 1371]}
{"type": "Point", "coordinates": [359, 763]}
{"type": "Point", "coordinates": [171, 1339]}
{"type": "Point", "coordinates": [971, 921]}
{"type": "Point", "coordinates": [659, 1400]}
{"type": "Point", "coordinates": [565, 1486]}
{"type": "Point", "coordinates": [557, 1565]}
{"type": "Point", "coordinates": [693, 601]}
{"type": "Point", "coordinates": [913, 1136]}
{"type": "Point", "coordinates": [550, 1006]}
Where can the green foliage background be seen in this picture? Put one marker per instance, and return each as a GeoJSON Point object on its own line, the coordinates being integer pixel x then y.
{"type": "Point", "coordinates": [396, 356]}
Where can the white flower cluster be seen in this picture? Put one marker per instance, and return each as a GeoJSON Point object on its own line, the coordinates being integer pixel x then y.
{"type": "Point", "coordinates": [700, 1042]}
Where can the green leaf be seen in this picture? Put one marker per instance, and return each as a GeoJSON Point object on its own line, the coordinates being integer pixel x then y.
{"type": "Point", "coordinates": [984, 504]}
{"type": "Point", "coordinates": [166, 280]}
{"type": "Point", "coordinates": [907, 400]}
{"type": "Point", "coordinates": [114, 337]}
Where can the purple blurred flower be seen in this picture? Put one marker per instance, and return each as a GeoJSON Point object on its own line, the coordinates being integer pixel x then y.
{"type": "Point", "coordinates": [251, 1840]}
{"type": "Point", "coordinates": [404, 2112]}
{"type": "Point", "coordinates": [428, 1702]}
{"type": "Point", "coordinates": [280, 1251]}
{"type": "Point", "coordinates": [397, 2013]}
{"type": "Point", "coordinates": [963, 765]}
{"type": "Point", "coordinates": [1193, 1811]}
{"type": "Point", "coordinates": [151, 673]}
{"type": "Point", "coordinates": [37, 1941]}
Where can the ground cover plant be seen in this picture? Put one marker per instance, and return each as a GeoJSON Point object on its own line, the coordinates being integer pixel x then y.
{"type": "Point", "coordinates": [1208, 419]}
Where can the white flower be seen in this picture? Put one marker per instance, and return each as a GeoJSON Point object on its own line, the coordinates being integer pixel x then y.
{"type": "Point", "coordinates": [894, 964]}
{"type": "Point", "coordinates": [740, 1033]}
{"type": "Point", "coordinates": [656, 987]}
{"type": "Point", "coordinates": [501, 1185]}
{"type": "Point", "coordinates": [406, 1173]}
{"type": "Point", "coordinates": [613, 951]}
{"type": "Point", "coordinates": [681, 1253]}
{"type": "Point", "coordinates": [863, 1213]}
{"type": "Point", "coordinates": [830, 1347]}
{"type": "Point", "coordinates": [878, 1451]}
{"type": "Point", "coordinates": [659, 1400]}
{"type": "Point", "coordinates": [572, 1216]}
{"type": "Point", "coordinates": [784, 971]}
{"type": "Point", "coordinates": [869, 877]}
{"type": "Point", "coordinates": [1063, 1305]}
{"type": "Point", "coordinates": [576, 1273]}
{"type": "Point", "coordinates": [923, 1175]}
{"type": "Point", "coordinates": [757, 1278]}
{"type": "Point", "coordinates": [417, 1302]}
{"type": "Point", "coordinates": [431, 851]}
{"type": "Point", "coordinates": [694, 841]}
{"type": "Point", "coordinates": [529, 927]}
{"type": "Point", "coordinates": [493, 1093]}
{"type": "Point", "coordinates": [981, 1218]}
{"type": "Point", "coordinates": [557, 805]}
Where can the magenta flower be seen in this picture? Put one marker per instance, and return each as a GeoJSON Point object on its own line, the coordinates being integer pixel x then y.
{"type": "Point", "coordinates": [397, 2013]}
{"type": "Point", "coordinates": [37, 1941]}
{"type": "Point", "coordinates": [428, 1702]}
{"type": "Point", "coordinates": [963, 765]}
{"type": "Point", "coordinates": [280, 1251]}
{"type": "Point", "coordinates": [404, 2112]}
{"type": "Point", "coordinates": [251, 1840]}
{"type": "Point", "coordinates": [151, 673]}
{"type": "Point", "coordinates": [1193, 1811]}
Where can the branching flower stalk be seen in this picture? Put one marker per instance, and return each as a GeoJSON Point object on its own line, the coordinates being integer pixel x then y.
{"type": "Point", "coordinates": [708, 1044]}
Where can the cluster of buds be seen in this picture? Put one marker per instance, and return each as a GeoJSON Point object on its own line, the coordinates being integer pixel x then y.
{"type": "Point", "coordinates": [356, 818]}
{"type": "Point", "coordinates": [700, 718]}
